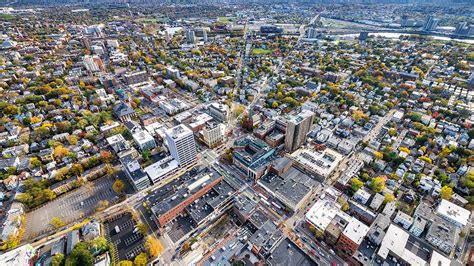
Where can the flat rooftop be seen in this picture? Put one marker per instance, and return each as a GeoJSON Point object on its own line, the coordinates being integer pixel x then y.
{"type": "Point", "coordinates": [287, 253]}
{"type": "Point", "coordinates": [163, 201]}
{"type": "Point", "coordinates": [292, 186]}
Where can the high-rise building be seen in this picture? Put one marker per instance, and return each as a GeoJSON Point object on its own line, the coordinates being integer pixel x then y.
{"type": "Point", "coordinates": [430, 24]}
{"type": "Point", "coordinates": [190, 36]}
{"type": "Point", "coordinates": [297, 128]}
{"type": "Point", "coordinates": [461, 29]}
{"type": "Point", "coordinates": [204, 35]}
{"type": "Point", "coordinates": [181, 144]}
{"type": "Point", "coordinates": [93, 63]}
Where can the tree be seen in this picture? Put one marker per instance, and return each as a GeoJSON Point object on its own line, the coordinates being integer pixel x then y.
{"type": "Point", "coordinates": [125, 263]}
{"type": "Point", "coordinates": [106, 156]}
{"type": "Point", "coordinates": [358, 115]}
{"type": "Point", "coordinates": [356, 184]}
{"type": "Point", "coordinates": [118, 186]}
{"type": "Point", "coordinates": [72, 139]}
{"type": "Point", "coordinates": [56, 222]}
{"type": "Point", "coordinates": [76, 170]}
{"type": "Point", "coordinates": [389, 197]}
{"type": "Point", "coordinates": [60, 151]}
{"type": "Point", "coordinates": [153, 246]}
{"type": "Point", "coordinates": [80, 255]}
{"type": "Point", "coordinates": [58, 260]}
{"type": "Point", "coordinates": [35, 162]}
{"type": "Point", "coordinates": [102, 205]}
{"type": "Point", "coordinates": [377, 184]}
{"type": "Point", "coordinates": [142, 228]}
{"type": "Point", "coordinates": [141, 259]}
{"type": "Point", "coordinates": [378, 155]}
{"type": "Point", "coordinates": [446, 192]}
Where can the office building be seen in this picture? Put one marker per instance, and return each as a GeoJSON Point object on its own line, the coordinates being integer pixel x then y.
{"type": "Point", "coordinates": [144, 140]}
{"type": "Point", "coordinates": [190, 36]}
{"type": "Point", "coordinates": [136, 175]}
{"type": "Point", "coordinates": [213, 134]}
{"type": "Point", "coordinates": [352, 237]}
{"type": "Point", "coordinates": [430, 24]}
{"type": "Point", "coordinates": [297, 128]}
{"type": "Point", "coordinates": [219, 111]}
{"type": "Point", "coordinates": [252, 155]}
{"type": "Point", "coordinates": [93, 63]}
{"type": "Point", "coordinates": [181, 144]}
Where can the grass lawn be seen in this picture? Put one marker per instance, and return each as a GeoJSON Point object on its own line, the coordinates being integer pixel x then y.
{"type": "Point", "coordinates": [261, 51]}
{"type": "Point", "coordinates": [6, 17]}
{"type": "Point", "coordinates": [225, 20]}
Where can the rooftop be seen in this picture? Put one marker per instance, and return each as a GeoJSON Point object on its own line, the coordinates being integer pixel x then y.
{"type": "Point", "coordinates": [179, 131]}
{"type": "Point", "coordinates": [356, 231]}
{"type": "Point", "coordinates": [453, 212]}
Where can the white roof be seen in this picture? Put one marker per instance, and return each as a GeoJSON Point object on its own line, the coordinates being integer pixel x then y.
{"type": "Point", "coordinates": [395, 240]}
{"type": "Point", "coordinates": [142, 136]}
{"type": "Point", "coordinates": [322, 212]}
{"type": "Point", "coordinates": [438, 259]}
{"type": "Point", "coordinates": [161, 168]}
{"type": "Point", "coordinates": [178, 132]}
{"type": "Point", "coordinates": [453, 212]}
{"type": "Point", "coordinates": [18, 256]}
{"type": "Point", "coordinates": [356, 231]}
{"type": "Point", "coordinates": [115, 138]}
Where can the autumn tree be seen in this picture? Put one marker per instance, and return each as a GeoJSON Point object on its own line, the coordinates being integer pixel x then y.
{"type": "Point", "coordinates": [141, 259]}
{"type": "Point", "coordinates": [377, 184]}
{"type": "Point", "coordinates": [153, 246]}
{"type": "Point", "coordinates": [56, 222]}
{"type": "Point", "coordinates": [446, 192]}
{"type": "Point", "coordinates": [60, 152]}
{"type": "Point", "coordinates": [118, 186]}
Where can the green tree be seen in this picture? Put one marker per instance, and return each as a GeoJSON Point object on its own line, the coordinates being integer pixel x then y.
{"type": "Point", "coordinates": [58, 260]}
{"type": "Point", "coordinates": [80, 256]}
{"type": "Point", "coordinates": [356, 184]}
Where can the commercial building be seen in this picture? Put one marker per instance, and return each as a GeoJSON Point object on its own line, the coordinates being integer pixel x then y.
{"type": "Point", "coordinates": [352, 237]}
{"type": "Point", "coordinates": [398, 246]}
{"type": "Point", "coordinates": [170, 201]}
{"type": "Point", "coordinates": [213, 134]}
{"type": "Point", "coordinates": [138, 178]}
{"type": "Point", "coordinates": [162, 169]}
{"type": "Point", "coordinates": [181, 144]}
{"type": "Point", "coordinates": [442, 234]}
{"type": "Point", "coordinates": [453, 213]}
{"type": "Point", "coordinates": [319, 163]}
{"type": "Point", "coordinates": [290, 186]}
{"type": "Point", "coordinates": [93, 63]}
{"type": "Point", "coordinates": [297, 128]}
{"type": "Point", "coordinates": [144, 140]}
{"type": "Point", "coordinates": [136, 77]}
{"type": "Point", "coordinates": [431, 24]}
{"type": "Point", "coordinates": [118, 143]}
{"type": "Point", "coordinates": [219, 111]}
{"type": "Point", "coordinates": [252, 155]}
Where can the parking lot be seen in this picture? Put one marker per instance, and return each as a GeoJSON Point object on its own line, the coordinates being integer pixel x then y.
{"type": "Point", "coordinates": [74, 205]}
{"type": "Point", "coordinates": [127, 241]}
